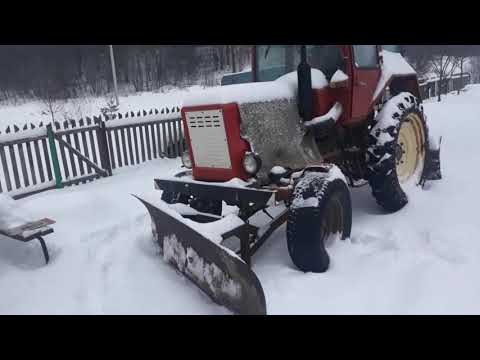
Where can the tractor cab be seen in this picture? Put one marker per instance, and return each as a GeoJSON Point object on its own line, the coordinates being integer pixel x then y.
{"type": "Point", "coordinates": [352, 72]}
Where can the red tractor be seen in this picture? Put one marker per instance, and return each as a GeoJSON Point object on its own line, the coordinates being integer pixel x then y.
{"type": "Point", "coordinates": [283, 143]}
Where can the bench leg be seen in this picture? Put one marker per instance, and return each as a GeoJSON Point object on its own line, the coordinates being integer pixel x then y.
{"type": "Point", "coordinates": [44, 249]}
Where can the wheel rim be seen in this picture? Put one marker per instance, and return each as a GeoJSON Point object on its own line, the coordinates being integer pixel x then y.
{"type": "Point", "coordinates": [410, 149]}
{"type": "Point", "coordinates": [332, 223]}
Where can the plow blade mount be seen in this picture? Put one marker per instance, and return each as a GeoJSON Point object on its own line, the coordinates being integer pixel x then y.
{"type": "Point", "coordinates": [432, 169]}
{"type": "Point", "coordinates": [219, 272]}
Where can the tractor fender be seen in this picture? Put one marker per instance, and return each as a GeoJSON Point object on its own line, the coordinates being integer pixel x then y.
{"type": "Point", "coordinates": [397, 75]}
{"type": "Point", "coordinates": [397, 84]}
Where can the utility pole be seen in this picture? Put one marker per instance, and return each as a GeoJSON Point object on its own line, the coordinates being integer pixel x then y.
{"type": "Point", "coordinates": [114, 73]}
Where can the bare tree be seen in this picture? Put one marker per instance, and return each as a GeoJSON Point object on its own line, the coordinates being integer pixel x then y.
{"type": "Point", "coordinates": [52, 107]}
{"type": "Point", "coordinates": [50, 97]}
{"type": "Point", "coordinates": [443, 67]}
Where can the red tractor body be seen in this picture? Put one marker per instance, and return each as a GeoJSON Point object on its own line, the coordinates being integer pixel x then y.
{"type": "Point", "coordinates": [356, 95]}
{"type": "Point", "coordinates": [282, 144]}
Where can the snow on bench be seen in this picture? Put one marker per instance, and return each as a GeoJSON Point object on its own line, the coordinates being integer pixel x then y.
{"type": "Point", "coordinates": [17, 226]}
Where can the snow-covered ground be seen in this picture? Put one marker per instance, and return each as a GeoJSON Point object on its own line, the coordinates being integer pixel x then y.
{"type": "Point", "coordinates": [423, 259]}
{"type": "Point", "coordinates": [36, 111]}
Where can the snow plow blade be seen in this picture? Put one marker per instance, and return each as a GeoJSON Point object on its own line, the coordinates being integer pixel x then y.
{"type": "Point", "coordinates": [222, 275]}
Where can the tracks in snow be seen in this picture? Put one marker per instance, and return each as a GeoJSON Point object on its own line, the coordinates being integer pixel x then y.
{"type": "Point", "coordinates": [108, 250]}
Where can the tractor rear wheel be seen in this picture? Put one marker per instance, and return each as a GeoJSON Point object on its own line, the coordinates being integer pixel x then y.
{"type": "Point", "coordinates": [320, 212]}
{"type": "Point", "coordinates": [396, 154]}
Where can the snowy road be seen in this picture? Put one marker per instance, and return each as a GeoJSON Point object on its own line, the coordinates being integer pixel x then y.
{"type": "Point", "coordinates": [423, 259]}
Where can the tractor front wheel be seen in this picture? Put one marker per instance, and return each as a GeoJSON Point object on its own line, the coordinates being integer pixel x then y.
{"type": "Point", "coordinates": [320, 212]}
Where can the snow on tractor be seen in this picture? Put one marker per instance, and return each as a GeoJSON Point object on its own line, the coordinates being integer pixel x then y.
{"type": "Point", "coordinates": [284, 143]}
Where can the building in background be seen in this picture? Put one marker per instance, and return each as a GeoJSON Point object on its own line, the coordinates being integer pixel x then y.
{"type": "Point", "coordinates": [431, 85]}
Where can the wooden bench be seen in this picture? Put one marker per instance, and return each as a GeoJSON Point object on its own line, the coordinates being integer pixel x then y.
{"type": "Point", "coordinates": [31, 231]}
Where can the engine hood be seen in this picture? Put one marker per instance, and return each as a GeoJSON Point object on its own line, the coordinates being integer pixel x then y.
{"type": "Point", "coordinates": [275, 132]}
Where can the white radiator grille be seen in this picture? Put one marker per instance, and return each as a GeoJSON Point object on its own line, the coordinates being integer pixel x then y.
{"type": "Point", "coordinates": [208, 139]}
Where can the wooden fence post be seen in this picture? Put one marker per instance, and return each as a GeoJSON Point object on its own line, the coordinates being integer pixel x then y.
{"type": "Point", "coordinates": [103, 147]}
{"type": "Point", "coordinates": [53, 153]}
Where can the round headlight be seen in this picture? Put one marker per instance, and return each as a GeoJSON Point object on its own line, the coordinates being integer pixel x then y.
{"type": "Point", "coordinates": [186, 159]}
{"type": "Point", "coordinates": [251, 163]}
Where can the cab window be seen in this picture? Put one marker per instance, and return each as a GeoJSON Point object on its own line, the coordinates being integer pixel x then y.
{"type": "Point", "coordinates": [365, 56]}
{"type": "Point", "coordinates": [326, 58]}
{"type": "Point", "coordinates": [392, 48]}
{"type": "Point", "coordinates": [274, 61]}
